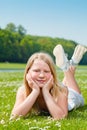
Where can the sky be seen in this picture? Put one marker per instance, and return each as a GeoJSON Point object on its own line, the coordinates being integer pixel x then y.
{"type": "Point", "coordinates": [54, 18]}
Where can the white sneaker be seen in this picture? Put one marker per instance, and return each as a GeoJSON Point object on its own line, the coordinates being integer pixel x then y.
{"type": "Point", "coordinates": [61, 59]}
{"type": "Point", "coordinates": [78, 54]}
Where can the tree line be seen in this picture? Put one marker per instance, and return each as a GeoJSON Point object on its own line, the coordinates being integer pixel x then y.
{"type": "Point", "coordinates": [17, 46]}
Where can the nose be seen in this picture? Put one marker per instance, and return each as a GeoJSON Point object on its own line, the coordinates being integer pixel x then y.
{"type": "Point", "coordinates": [41, 74]}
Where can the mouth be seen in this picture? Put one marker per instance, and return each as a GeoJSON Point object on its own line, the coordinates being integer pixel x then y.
{"type": "Point", "coordinates": [41, 81]}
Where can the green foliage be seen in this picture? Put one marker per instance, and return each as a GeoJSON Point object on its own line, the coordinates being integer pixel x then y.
{"type": "Point", "coordinates": [21, 30]}
{"type": "Point", "coordinates": [11, 27]}
{"type": "Point", "coordinates": [17, 46]}
{"type": "Point", "coordinates": [9, 83]}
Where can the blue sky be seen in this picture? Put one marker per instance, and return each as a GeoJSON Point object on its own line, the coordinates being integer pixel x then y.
{"type": "Point", "coordinates": [55, 18]}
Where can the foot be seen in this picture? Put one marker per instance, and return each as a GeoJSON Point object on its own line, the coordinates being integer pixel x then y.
{"type": "Point", "coordinates": [78, 54]}
{"type": "Point", "coordinates": [61, 59]}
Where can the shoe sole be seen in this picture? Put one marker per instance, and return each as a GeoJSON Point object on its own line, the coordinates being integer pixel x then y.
{"type": "Point", "coordinates": [79, 52]}
{"type": "Point", "coordinates": [59, 54]}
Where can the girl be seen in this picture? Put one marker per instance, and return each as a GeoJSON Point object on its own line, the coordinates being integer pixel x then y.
{"type": "Point", "coordinates": [41, 91]}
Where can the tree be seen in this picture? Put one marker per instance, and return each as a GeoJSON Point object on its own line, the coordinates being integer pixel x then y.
{"type": "Point", "coordinates": [21, 30]}
{"type": "Point", "coordinates": [11, 27]}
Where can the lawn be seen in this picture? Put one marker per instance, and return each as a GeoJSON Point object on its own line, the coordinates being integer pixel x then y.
{"type": "Point", "coordinates": [8, 65]}
{"type": "Point", "coordinates": [9, 83]}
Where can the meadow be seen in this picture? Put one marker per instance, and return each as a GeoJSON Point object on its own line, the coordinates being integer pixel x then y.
{"type": "Point", "coordinates": [9, 83]}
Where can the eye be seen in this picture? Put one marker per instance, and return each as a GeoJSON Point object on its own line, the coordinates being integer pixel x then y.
{"type": "Point", "coordinates": [47, 71]}
{"type": "Point", "coordinates": [36, 70]}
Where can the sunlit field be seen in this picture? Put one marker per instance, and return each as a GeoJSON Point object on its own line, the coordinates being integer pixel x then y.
{"type": "Point", "coordinates": [9, 83]}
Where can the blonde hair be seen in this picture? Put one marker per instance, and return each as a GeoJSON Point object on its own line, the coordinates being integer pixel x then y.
{"type": "Point", "coordinates": [47, 59]}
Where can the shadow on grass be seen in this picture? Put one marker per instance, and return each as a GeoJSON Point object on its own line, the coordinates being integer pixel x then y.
{"type": "Point", "coordinates": [80, 113]}
{"type": "Point", "coordinates": [76, 114]}
{"type": "Point", "coordinates": [83, 108]}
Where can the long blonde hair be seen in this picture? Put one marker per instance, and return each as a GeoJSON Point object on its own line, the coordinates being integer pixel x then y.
{"type": "Point", "coordinates": [47, 59]}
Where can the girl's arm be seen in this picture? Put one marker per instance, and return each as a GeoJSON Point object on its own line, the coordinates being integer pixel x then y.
{"type": "Point", "coordinates": [59, 108]}
{"type": "Point", "coordinates": [24, 104]}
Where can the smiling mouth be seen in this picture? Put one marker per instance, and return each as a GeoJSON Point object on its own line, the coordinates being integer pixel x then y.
{"type": "Point", "coordinates": [41, 81]}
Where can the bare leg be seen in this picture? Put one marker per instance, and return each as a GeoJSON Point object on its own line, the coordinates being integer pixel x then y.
{"type": "Point", "coordinates": [69, 79]}
{"type": "Point", "coordinates": [69, 66]}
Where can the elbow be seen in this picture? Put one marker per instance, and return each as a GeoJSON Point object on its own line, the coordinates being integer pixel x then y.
{"type": "Point", "coordinates": [16, 114]}
{"type": "Point", "coordinates": [60, 116]}
{"type": "Point", "coordinates": [65, 113]}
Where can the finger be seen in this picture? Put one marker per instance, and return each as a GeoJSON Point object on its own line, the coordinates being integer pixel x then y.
{"type": "Point", "coordinates": [50, 81]}
{"type": "Point", "coordinates": [32, 82]}
{"type": "Point", "coordinates": [29, 80]}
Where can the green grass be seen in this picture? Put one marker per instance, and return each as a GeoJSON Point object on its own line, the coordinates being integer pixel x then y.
{"type": "Point", "coordinates": [9, 83]}
{"type": "Point", "coordinates": [8, 65]}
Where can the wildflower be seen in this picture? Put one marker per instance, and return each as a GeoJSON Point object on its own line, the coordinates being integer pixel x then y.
{"type": "Point", "coordinates": [2, 122]}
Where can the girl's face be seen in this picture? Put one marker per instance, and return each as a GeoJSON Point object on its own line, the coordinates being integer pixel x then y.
{"type": "Point", "coordinates": [40, 72]}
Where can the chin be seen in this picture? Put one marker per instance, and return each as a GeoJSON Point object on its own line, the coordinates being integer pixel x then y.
{"type": "Point", "coordinates": [41, 86]}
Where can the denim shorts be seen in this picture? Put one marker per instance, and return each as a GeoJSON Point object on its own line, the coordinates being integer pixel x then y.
{"type": "Point", "coordinates": [75, 99]}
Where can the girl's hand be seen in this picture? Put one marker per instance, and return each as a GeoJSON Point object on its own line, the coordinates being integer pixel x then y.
{"type": "Point", "coordinates": [48, 84]}
{"type": "Point", "coordinates": [32, 84]}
